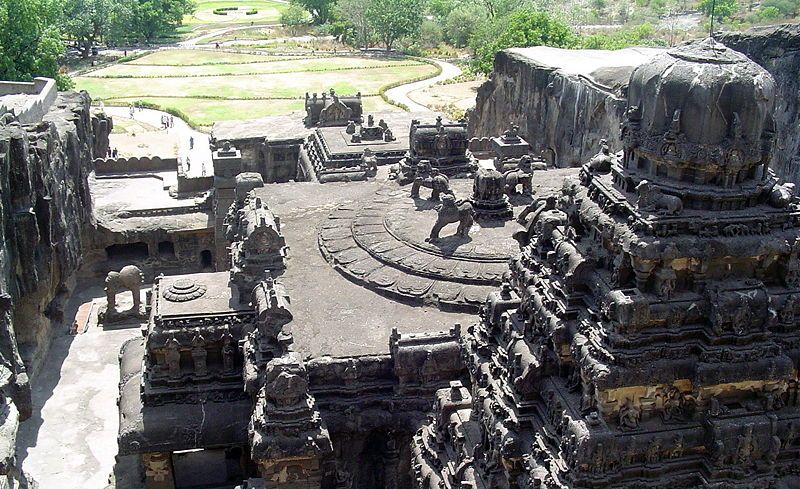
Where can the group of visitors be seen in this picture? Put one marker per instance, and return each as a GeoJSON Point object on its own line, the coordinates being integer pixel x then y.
{"type": "Point", "coordinates": [112, 153]}
{"type": "Point", "coordinates": [167, 121]}
{"type": "Point", "coordinates": [132, 108]}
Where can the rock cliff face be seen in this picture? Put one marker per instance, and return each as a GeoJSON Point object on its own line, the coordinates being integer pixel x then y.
{"type": "Point", "coordinates": [45, 215]}
{"type": "Point", "coordinates": [777, 48]}
{"type": "Point", "coordinates": [564, 101]}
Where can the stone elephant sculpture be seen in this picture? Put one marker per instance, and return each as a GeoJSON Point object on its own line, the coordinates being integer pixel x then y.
{"type": "Point", "coordinates": [130, 278]}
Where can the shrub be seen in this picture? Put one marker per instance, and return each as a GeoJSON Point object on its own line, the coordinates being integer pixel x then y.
{"type": "Point", "coordinates": [522, 28]}
{"type": "Point", "coordinates": [224, 10]}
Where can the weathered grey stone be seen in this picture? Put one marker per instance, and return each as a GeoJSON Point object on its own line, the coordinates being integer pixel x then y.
{"type": "Point", "coordinates": [563, 100]}
{"type": "Point", "coordinates": [777, 48]}
{"type": "Point", "coordinates": [45, 212]}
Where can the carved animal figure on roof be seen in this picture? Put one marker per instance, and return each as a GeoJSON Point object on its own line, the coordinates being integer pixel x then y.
{"type": "Point", "coordinates": [521, 175]}
{"type": "Point", "coordinates": [651, 199]}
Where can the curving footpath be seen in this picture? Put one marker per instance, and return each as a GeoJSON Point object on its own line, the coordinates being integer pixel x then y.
{"type": "Point", "coordinates": [400, 94]}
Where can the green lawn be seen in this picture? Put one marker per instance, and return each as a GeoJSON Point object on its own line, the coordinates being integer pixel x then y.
{"type": "Point", "coordinates": [243, 89]}
{"type": "Point", "coordinates": [196, 57]}
{"type": "Point", "coordinates": [268, 11]}
{"type": "Point", "coordinates": [278, 64]}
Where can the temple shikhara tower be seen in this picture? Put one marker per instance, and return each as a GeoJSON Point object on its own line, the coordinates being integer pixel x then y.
{"type": "Point", "coordinates": [646, 335]}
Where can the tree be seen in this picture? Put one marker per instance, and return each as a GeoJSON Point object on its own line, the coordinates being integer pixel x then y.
{"type": "Point", "coordinates": [87, 21]}
{"type": "Point", "coordinates": [440, 9]}
{"type": "Point", "coordinates": [430, 34]}
{"type": "Point", "coordinates": [500, 8]}
{"type": "Point", "coordinates": [30, 43]}
{"type": "Point", "coordinates": [354, 14]}
{"type": "Point", "coordinates": [722, 9]}
{"type": "Point", "coordinates": [785, 8]}
{"type": "Point", "coordinates": [461, 23]}
{"type": "Point", "coordinates": [395, 19]}
{"type": "Point", "coordinates": [293, 17]}
{"type": "Point", "coordinates": [147, 19]}
{"type": "Point", "coordinates": [320, 10]}
{"type": "Point", "coordinates": [523, 28]}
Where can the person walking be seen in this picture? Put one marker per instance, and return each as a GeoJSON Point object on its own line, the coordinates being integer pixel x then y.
{"type": "Point", "coordinates": [171, 121]}
{"type": "Point", "coordinates": [115, 153]}
{"type": "Point", "coordinates": [191, 142]}
{"type": "Point", "coordinates": [188, 164]}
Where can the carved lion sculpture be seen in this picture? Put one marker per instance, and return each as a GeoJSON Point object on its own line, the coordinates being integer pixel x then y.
{"type": "Point", "coordinates": [130, 278]}
{"type": "Point", "coordinates": [449, 211]}
{"type": "Point", "coordinates": [521, 175]}
{"type": "Point", "coordinates": [651, 198]}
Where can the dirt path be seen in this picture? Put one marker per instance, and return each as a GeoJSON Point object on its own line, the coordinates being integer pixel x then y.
{"type": "Point", "coordinates": [192, 145]}
{"type": "Point", "coordinates": [400, 94]}
{"type": "Point", "coordinates": [189, 43]}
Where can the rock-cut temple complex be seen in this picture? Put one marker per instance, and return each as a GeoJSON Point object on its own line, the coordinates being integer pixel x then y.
{"type": "Point", "coordinates": [388, 301]}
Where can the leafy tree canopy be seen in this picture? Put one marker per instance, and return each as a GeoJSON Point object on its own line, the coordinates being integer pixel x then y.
{"type": "Point", "coordinates": [147, 19]}
{"type": "Point", "coordinates": [320, 10]}
{"type": "Point", "coordinates": [522, 28]}
{"type": "Point", "coordinates": [293, 17]}
{"type": "Point", "coordinates": [87, 21]}
{"type": "Point", "coordinates": [395, 19]}
{"type": "Point", "coordinates": [641, 35]}
{"type": "Point", "coordinates": [359, 28]}
{"type": "Point", "coordinates": [30, 44]}
{"type": "Point", "coordinates": [785, 8]}
{"type": "Point", "coordinates": [723, 9]}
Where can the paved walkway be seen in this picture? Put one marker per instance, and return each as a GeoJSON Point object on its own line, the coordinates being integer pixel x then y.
{"type": "Point", "coordinates": [71, 439]}
{"type": "Point", "coordinates": [400, 94]}
{"type": "Point", "coordinates": [197, 151]}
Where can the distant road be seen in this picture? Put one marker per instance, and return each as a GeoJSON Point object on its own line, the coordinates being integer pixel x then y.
{"type": "Point", "coordinates": [400, 94]}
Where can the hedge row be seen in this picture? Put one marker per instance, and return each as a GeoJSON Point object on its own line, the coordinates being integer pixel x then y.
{"type": "Point", "coordinates": [224, 10]}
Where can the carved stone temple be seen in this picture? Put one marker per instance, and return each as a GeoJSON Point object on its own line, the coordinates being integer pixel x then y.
{"type": "Point", "coordinates": [645, 337]}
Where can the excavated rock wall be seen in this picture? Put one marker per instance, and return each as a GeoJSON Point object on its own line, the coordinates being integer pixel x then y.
{"type": "Point", "coordinates": [777, 49]}
{"type": "Point", "coordinates": [562, 116]}
{"type": "Point", "coordinates": [45, 217]}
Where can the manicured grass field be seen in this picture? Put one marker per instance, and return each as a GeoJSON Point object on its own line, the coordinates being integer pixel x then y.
{"type": "Point", "coordinates": [268, 11]}
{"type": "Point", "coordinates": [243, 86]}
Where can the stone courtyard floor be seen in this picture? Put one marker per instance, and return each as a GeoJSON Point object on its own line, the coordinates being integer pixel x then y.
{"type": "Point", "coordinates": [71, 439]}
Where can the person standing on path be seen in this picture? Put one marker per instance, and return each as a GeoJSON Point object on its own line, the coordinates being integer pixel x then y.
{"type": "Point", "coordinates": [191, 142]}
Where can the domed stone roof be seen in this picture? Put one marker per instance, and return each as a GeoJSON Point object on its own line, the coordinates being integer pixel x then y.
{"type": "Point", "coordinates": [707, 96]}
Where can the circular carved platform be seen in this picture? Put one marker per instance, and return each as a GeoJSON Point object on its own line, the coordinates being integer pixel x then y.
{"type": "Point", "coordinates": [183, 290]}
{"type": "Point", "coordinates": [381, 244]}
